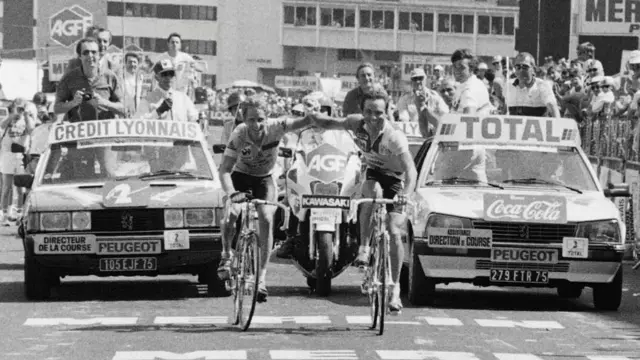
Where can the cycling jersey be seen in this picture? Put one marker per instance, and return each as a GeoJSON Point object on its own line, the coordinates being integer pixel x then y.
{"type": "Point", "coordinates": [382, 153]}
{"type": "Point", "coordinates": [256, 159]}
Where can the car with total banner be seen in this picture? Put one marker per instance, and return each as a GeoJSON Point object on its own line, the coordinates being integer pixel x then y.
{"type": "Point", "coordinates": [513, 201]}
{"type": "Point", "coordinates": [122, 197]}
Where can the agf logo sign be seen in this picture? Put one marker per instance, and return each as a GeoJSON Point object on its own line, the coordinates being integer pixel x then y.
{"type": "Point", "coordinates": [326, 163]}
{"type": "Point", "coordinates": [67, 26]}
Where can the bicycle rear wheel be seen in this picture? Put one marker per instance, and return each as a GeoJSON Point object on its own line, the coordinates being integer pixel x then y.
{"type": "Point", "coordinates": [381, 270]}
{"type": "Point", "coordinates": [371, 284]}
{"type": "Point", "coordinates": [246, 280]}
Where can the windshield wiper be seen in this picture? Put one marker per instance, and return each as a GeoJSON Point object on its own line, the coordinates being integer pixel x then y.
{"type": "Point", "coordinates": [541, 181]}
{"type": "Point", "coordinates": [457, 179]}
{"type": "Point", "coordinates": [172, 173]}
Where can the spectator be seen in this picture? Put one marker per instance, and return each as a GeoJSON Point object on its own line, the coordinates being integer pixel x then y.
{"type": "Point", "coordinates": [354, 98]}
{"type": "Point", "coordinates": [132, 81]}
{"type": "Point", "coordinates": [529, 95]}
{"type": "Point", "coordinates": [587, 57]}
{"type": "Point", "coordinates": [103, 38]}
{"type": "Point", "coordinates": [604, 96]}
{"type": "Point", "coordinates": [422, 105]}
{"type": "Point", "coordinates": [480, 72]}
{"type": "Point", "coordinates": [165, 102]}
{"type": "Point", "coordinates": [472, 95]}
{"type": "Point", "coordinates": [182, 62]}
{"type": "Point", "coordinates": [39, 142]}
{"type": "Point", "coordinates": [88, 92]}
{"type": "Point", "coordinates": [438, 77]}
{"type": "Point", "coordinates": [447, 91]}
{"type": "Point", "coordinates": [16, 128]}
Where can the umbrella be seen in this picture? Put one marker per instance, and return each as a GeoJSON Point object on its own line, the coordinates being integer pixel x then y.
{"type": "Point", "coordinates": [246, 84]}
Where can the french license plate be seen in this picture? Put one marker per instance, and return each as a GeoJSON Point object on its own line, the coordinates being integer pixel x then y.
{"type": "Point", "coordinates": [128, 264]}
{"type": "Point", "coordinates": [519, 276]}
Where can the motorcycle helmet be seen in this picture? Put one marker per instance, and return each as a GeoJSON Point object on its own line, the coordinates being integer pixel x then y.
{"type": "Point", "coordinates": [320, 101]}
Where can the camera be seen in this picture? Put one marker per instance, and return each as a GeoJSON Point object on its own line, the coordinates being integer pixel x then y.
{"type": "Point", "coordinates": [88, 95]}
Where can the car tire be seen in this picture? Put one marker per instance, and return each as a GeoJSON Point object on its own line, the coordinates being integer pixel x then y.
{"type": "Point", "coordinates": [569, 291]}
{"type": "Point", "coordinates": [37, 280]}
{"type": "Point", "coordinates": [209, 276]}
{"type": "Point", "coordinates": [609, 296]}
{"type": "Point", "coordinates": [421, 288]}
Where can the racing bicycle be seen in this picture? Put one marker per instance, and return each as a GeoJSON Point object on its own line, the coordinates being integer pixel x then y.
{"type": "Point", "coordinates": [245, 263]}
{"type": "Point", "coordinates": [377, 275]}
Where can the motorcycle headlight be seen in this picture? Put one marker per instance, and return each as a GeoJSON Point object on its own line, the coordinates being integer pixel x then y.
{"type": "Point", "coordinates": [55, 221]}
{"type": "Point", "coordinates": [173, 218]}
{"type": "Point", "coordinates": [199, 217]}
{"type": "Point", "coordinates": [599, 231]}
{"type": "Point", "coordinates": [81, 220]}
{"type": "Point", "coordinates": [448, 221]}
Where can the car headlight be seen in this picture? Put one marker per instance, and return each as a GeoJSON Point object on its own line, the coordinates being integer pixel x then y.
{"type": "Point", "coordinates": [199, 217]}
{"type": "Point", "coordinates": [599, 231]}
{"type": "Point", "coordinates": [173, 218]}
{"type": "Point", "coordinates": [448, 221]}
{"type": "Point", "coordinates": [55, 221]}
{"type": "Point", "coordinates": [81, 220]}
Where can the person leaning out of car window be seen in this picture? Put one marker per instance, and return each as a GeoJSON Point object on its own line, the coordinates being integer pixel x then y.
{"type": "Point", "coordinates": [15, 129]}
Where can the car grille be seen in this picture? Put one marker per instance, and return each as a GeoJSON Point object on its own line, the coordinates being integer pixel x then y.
{"type": "Point", "coordinates": [527, 233]}
{"type": "Point", "coordinates": [487, 264]}
{"type": "Point", "coordinates": [127, 220]}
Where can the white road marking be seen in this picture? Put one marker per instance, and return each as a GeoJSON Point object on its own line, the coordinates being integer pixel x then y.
{"type": "Point", "coordinates": [442, 321]}
{"type": "Point", "coordinates": [313, 355]}
{"type": "Point", "coordinates": [194, 355]}
{"type": "Point", "coordinates": [182, 320]}
{"type": "Point", "coordinates": [291, 319]}
{"type": "Point", "coordinates": [359, 319]}
{"type": "Point", "coordinates": [502, 342]}
{"type": "Point", "coordinates": [607, 357]}
{"type": "Point", "coordinates": [424, 355]}
{"type": "Point", "coordinates": [525, 324]}
{"type": "Point", "coordinates": [91, 321]}
{"type": "Point", "coordinates": [511, 356]}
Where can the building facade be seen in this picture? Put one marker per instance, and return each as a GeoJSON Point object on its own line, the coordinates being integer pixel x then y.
{"type": "Point", "coordinates": [17, 28]}
{"type": "Point", "coordinates": [330, 38]}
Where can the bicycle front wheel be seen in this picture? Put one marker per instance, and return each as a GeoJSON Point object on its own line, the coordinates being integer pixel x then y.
{"type": "Point", "coordinates": [371, 285]}
{"type": "Point", "coordinates": [246, 280]}
{"type": "Point", "coordinates": [382, 260]}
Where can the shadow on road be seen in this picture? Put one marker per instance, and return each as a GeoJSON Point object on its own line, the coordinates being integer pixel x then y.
{"type": "Point", "coordinates": [11, 266]}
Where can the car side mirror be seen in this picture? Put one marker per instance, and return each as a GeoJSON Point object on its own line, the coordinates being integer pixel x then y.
{"type": "Point", "coordinates": [23, 180]}
{"type": "Point", "coordinates": [17, 148]}
{"type": "Point", "coordinates": [285, 153]}
{"type": "Point", "coordinates": [617, 190]}
{"type": "Point", "coordinates": [219, 148]}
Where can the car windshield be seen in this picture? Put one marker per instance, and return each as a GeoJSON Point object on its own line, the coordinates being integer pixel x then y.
{"type": "Point", "coordinates": [102, 160]}
{"type": "Point", "coordinates": [509, 166]}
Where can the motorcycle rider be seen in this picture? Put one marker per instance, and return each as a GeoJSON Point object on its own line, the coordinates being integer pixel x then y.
{"type": "Point", "coordinates": [391, 173]}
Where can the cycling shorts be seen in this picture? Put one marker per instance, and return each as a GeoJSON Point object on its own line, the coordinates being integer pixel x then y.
{"type": "Point", "coordinates": [391, 186]}
{"type": "Point", "coordinates": [262, 187]}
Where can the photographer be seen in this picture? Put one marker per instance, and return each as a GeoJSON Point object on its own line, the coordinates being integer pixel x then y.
{"type": "Point", "coordinates": [89, 92]}
{"type": "Point", "coordinates": [422, 105]}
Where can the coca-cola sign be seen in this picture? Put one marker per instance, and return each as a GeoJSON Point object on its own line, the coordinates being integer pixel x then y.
{"type": "Point", "coordinates": [525, 208]}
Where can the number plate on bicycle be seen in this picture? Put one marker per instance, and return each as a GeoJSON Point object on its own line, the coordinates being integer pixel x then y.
{"type": "Point", "coordinates": [326, 216]}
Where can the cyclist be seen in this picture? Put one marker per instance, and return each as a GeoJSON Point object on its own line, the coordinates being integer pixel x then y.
{"type": "Point", "coordinates": [390, 172]}
{"type": "Point", "coordinates": [248, 165]}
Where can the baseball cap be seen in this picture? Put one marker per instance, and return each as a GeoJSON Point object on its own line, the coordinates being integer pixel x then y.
{"type": "Point", "coordinates": [483, 66]}
{"type": "Point", "coordinates": [418, 72]}
{"type": "Point", "coordinates": [299, 108]}
{"type": "Point", "coordinates": [163, 66]}
{"type": "Point", "coordinates": [438, 67]}
{"type": "Point", "coordinates": [497, 58]}
{"type": "Point", "coordinates": [607, 80]}
{"type": "Point", "coordinates": [596, 79]}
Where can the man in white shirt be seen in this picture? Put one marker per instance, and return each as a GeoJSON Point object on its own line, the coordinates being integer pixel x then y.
{"type": "Point", "coordinates": [528, 95]}
{"type": "Point", "coordinates": [164, 102]}
{"type": "Point", "coordinates": [472, 96]}
{"type": "Point", "coordinates": [421, 100]}
{"type": "Point", "coordinates": [132, 83]}
{"type": "Point", "coordinates": [182, 62]}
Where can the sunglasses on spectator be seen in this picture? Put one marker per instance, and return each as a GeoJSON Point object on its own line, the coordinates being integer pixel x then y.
{"type": "Point", "coordinates": [522, 67]}
{"type": "Point", "coordinates": [446, 90]}
{"type": "Point", "coordinates": [92, 52]}
{"type": "Point", "coordinates": [419, 78]}
{"type": "Point", "coordinates": [590, 70]}
{"type": "Point", "coordinates": [168, 74]}
{"type": "Point", "coordinates": [496, 63]}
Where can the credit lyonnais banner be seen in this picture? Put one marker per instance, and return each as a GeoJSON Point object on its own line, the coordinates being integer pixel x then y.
{"type": "Point", "coordinates": [605, 17]}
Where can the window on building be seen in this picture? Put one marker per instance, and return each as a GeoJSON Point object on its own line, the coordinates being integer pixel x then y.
{"type": "Point", "coordinates": [209, 80]}
{"type": "Point", "coordinates": [377, 19]}
{"type": "Point", "coordinates": [416, 22]}
{"type": "Point", "coordinates": [349, 18]}
{"type": "Point", "coordinates": [326, 17]}
{"type": "Point", "coordinates": [148, 44]}
{"type": "Point", "coordinates": [456, 23]}
{"type": "Point", "coordinates": [212, 13]}
{"type": "Point", "coordinates": [289, 15]}
{"type": "Point", "coordinates": [468, 24]}
{"type": "Point", "coordinates": [444, 23]}
{"type": "Point", "coordinates": [338, 17]}
{"type": "Point", "coordinates": [131, 40]}
{"type": "Point", "coordinates": [484, 25]}
{"type": "Point", "coordinates": [509, 26]}
{"type": "Point", "coordinates": [148, 10]}
{"type": "Point", "coordinates": [392, 56]}
{"type": "Point", "coordinates": [349, 54]}
{"type": "Point", "coordinates": [117, 41]}
{"type": "Point", "coordinates": [496, 25]}
{"type": "Point", "coordinates": [301, 16]}
{"type": "Point", "coordinates": [165, 11]}
{"type": "Point", "coordinates": [128, 9]}
{"type": "Point", "coordinates": [389, 20]}
{"type": "Point", "coordinates": [403, 21]}
{"type": "Point", "coordinates": [311, 16]}
{"type": "Point", "coordinates": [161, 45]}
{"type": "Point", "coordinates": [365, 18]}
{"type": "Point", "coordinates": [427, 22]}
{"type": "Point", "coordinates": [115, 8]}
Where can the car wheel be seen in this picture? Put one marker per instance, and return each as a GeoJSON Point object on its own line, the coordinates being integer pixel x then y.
{"type": "Point", "coordinates": [215, 287]}
{"type": "Point", "coordinates": [609, 296]}
{"type": "Point", "coordinates": [569, 291]}
{"type": "Point", "coordinates": [37, 280]}
{"type": "Point", "coordinates": [421, 288]}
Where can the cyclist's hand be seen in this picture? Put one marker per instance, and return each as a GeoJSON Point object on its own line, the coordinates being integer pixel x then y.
{"type": "Point", "coordinates": [239, 197]}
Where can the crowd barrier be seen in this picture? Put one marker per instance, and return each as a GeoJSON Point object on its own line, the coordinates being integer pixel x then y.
{"type": "Point", "coordinates": [610, 144]}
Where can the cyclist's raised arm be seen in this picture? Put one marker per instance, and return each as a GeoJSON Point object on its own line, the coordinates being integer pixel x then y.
{"type": "Point", "coordinates": [351, 122]}
{"type": "Point", "coordinates": [294, 124]}
{"type": "Point", "coordinates": [228, 161]}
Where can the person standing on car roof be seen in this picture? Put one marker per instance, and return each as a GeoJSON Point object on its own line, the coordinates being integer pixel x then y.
{"type": "Point", "coordinates": [528, 95]}
{"type": "Point", "coordinates": [165, 102]}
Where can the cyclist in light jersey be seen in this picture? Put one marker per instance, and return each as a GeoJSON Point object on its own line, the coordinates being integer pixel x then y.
{"type": "Point", "coordinates": [248, 165]}
{"type": "Point", "coordinates": [390, 172]}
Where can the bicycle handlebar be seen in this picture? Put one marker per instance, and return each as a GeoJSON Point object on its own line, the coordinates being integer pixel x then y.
{"type": "Point", "coordinates": [353, 209]}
